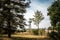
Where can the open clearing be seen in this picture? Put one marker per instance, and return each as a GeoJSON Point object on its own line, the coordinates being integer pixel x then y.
{"type": "Point", "coordinates": [25, 37]}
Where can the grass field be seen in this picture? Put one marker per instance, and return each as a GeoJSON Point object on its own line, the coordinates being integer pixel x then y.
{"type": "Point", "coordinates": [22, 38]}
{"type": "Point", "coordinates": [25, 37]}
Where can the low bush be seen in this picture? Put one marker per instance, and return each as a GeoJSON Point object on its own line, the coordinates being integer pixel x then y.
{"type": "Point", "coordinates": [54, 35]}
{"type": "Point", "coordinates": [35, 31]}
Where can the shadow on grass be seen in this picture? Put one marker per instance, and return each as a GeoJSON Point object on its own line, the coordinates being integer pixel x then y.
{"type": "Point", "coordinates": [23, 38]}
{"type": "Point", "coordinates": [30, 38]}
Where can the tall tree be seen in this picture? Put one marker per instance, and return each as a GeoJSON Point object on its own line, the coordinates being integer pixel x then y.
{"type": "Point", "coordinates": [10, 8]}
{"type": "Point", "coordinates": [54, 13]}
{"type": "Point", "coordinates": [38, 17]}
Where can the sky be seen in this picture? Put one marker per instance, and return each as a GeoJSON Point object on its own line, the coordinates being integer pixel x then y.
{"type": "Point", "coordinates": [42, 6]}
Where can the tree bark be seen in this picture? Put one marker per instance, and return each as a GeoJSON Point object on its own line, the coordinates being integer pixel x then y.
{"type": "Point", "coordinates": [30, 28]}
{"type": "Point", "coordinates": [38, 30]}
{"type": "Point", "coordinates": [9, 29]}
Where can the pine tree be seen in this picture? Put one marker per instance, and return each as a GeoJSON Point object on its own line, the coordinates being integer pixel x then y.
{"type": "Point", "coordinates": [9, 10]}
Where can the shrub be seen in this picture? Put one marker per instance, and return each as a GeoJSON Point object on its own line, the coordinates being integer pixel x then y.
{"type": "Point", "coordinates": [35, 31]}
{"type": "Point", "coordinates": [54, 35]}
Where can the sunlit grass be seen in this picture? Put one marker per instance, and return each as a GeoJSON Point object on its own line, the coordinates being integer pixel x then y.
{"type": "Point", "coordinates": [24, 37]}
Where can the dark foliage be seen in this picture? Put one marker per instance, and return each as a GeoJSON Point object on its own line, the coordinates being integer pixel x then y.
{"type": "Point", "coordinates": [8, 11]}
{"type": "Point", "coordinates": [35, 31]}
{"type": "Point", "coordinates": [54, 35]}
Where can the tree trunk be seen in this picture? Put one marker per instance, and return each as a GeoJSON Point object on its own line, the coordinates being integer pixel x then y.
{"type": "Point", "coordinates": [9, 19]}
{"type": "Point", "coordinates": [9, 29]}
{"type": "Point", "coordinates": [38, 30]}
{"type": "Point", "coordinates": [30, 28]}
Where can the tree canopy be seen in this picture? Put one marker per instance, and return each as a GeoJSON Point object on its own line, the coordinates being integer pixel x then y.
{"type": "Point", "coordinates": [54, 12]}
{"type": "Point", "coordinates": [9, 10]}
{"type": "Point", "coordinates": [38, 17]}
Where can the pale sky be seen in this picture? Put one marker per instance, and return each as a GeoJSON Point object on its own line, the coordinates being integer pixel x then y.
{"type": "Point", "coordinates": [42, 6]}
